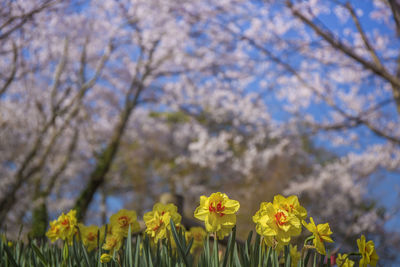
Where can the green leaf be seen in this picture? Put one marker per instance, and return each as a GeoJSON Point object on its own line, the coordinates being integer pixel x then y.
{"type": "Point", "coordinates": [128, 248]}
{"type": "Point", "coordinates": [315, 260]}
{"type": "Point", "coordinates": [308, 255]}
{"type": "Point", "coordinates": [137, 251]}
{"type": "Point", "coordinates": [275, 261]}
{"type": "Point", "coordinates": [236, 257]}
{"type": "Point", "coordinates": [85, 255]}
{"type": "Point", "coordinates": [215, 258]}
{"type": "Point", "coordinates": [207, 251]}
{"type": "Point", "coordinates": [321, 262]}
{"type": "Point", "coordinates": [260, 254]}
{"type": "Point", "coordinates": [287, 256]}
{"type": "Point", "coordinates": [189, 246]}
{"type": "Point", "coordinates": [10, 256]}
{"type": "Point", "coordinates": [181, 251]}
{"type": "Point", "coordinates": [229, 249]}
{"type": "Point", "coordinates": [328, 258]}
{"type": "Point", "coordinates": [74, 247]}
{"type": "Point", "coordinates": [39, 254]}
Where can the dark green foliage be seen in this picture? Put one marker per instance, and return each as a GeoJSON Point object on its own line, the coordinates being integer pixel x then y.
{"type": "Point", "coordinates": [139, 251]}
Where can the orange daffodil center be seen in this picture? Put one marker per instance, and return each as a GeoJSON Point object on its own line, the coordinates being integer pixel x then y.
{"type": "Point", "coordinates": [123, 221]}
{"type": "Point", "coordinates": [120, 222]}
{"type": "Point", "coordinates": [218, 209]}
{"type": "Point", "coordinates": [218, 213]}
{"type": "Point", "coordinates": [280, 218]}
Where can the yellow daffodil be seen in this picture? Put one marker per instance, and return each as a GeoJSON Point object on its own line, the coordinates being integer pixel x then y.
{"type": "Point", "coordinates": [113, 242]}
{"type": "Point", "coordinates": [67, 223]}
{"type": "Point", "coordinates": [294, 255]}
{"type": "Point", "coordinates": [64, 227]}
{"type": "Point", "coordinates": [198, 234]}
{"type": "Point", "coordinates": [104, 258]}
{"type": "Point", "coordinates": [121, 220]}
{"type": "Point", "coordinates": [291, 204]}
{"type": "Point", "coordinates": [89, 235]}
{"type": "Point", "coordinates": [368, 252]}
{"type": "Point", "coordinates": [158, 220]}
{"type": "Point", "coordinates": [321, 234]}
{"type": "Point", "coordinates": [218, 212]}
{"type": "Point", "coordinates": [53, 232]}
{"type": "Point", "coordinates": [344, 261]}
{"type": "Point", "coordinates": [276, 225]}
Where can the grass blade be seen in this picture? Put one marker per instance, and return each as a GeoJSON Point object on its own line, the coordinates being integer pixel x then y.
{"type": "Point", "coordinates": [181, 251]}
{"type": "Point", "coordinates": [40, 255]}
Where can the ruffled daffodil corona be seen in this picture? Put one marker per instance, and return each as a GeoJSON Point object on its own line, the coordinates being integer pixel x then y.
{"type": "Point", "coordinates": [368, 252]}
{"type": "Point", "coordinates": [218, 213]}
{"type": "Point", "coordinates": [291, 204]}
{"type": "Point", "coordinates": [121, 221]}
{"type": "Point", "coordinates": [321, 232]}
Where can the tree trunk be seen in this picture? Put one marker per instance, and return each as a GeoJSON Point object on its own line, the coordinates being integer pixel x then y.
{"type": "Point", "coordinates": [97, 177]}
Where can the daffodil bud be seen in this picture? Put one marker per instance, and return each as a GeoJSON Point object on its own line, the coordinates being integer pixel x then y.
{"type": "Point", "coordinates": [105, 258]}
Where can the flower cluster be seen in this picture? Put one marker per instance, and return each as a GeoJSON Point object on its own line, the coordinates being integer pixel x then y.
{"type": "Point", "coordinates": [277, 222]}
{"type": "Point", "coordinates": [64, 227]}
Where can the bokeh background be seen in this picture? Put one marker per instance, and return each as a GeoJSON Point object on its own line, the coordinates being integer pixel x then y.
{"type": "Point", "coordinates": [109, 104]}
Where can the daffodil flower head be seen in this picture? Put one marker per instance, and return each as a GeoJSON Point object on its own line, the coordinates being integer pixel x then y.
{"type": "Point", "coordinates": [121, 221]}
{"type": "Point", "coordinates": [321, 234]}
{"type": "Point", "coordinates": [218, 213]}
{"type": "Point", "coordinates": [368, 252]}
{"type": "Point", "coordinates": [198, 234]}
{"type": "Point", "coordinates": [291, 204]}
{"type": "Point", "coordinates": [276, 224]}
{"type": "Point", "coordinates": [68, 225]}
{"type": "Point", "coordinates": [344, 261]}
{"type": "Point", "coordinates": [113, 243]}
{"type": "Point", "coordinates": [89, 235]}
{"type": "Point", "coordinates": [158, 220]}
{"type": "Point", "coordinates": [54, 231]}
{"type": "Point", "coordinates": [64, 227]}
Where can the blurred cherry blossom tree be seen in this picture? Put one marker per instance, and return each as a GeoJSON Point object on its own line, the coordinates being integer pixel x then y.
{"type": "Point", "coordinates": [128, 99]}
